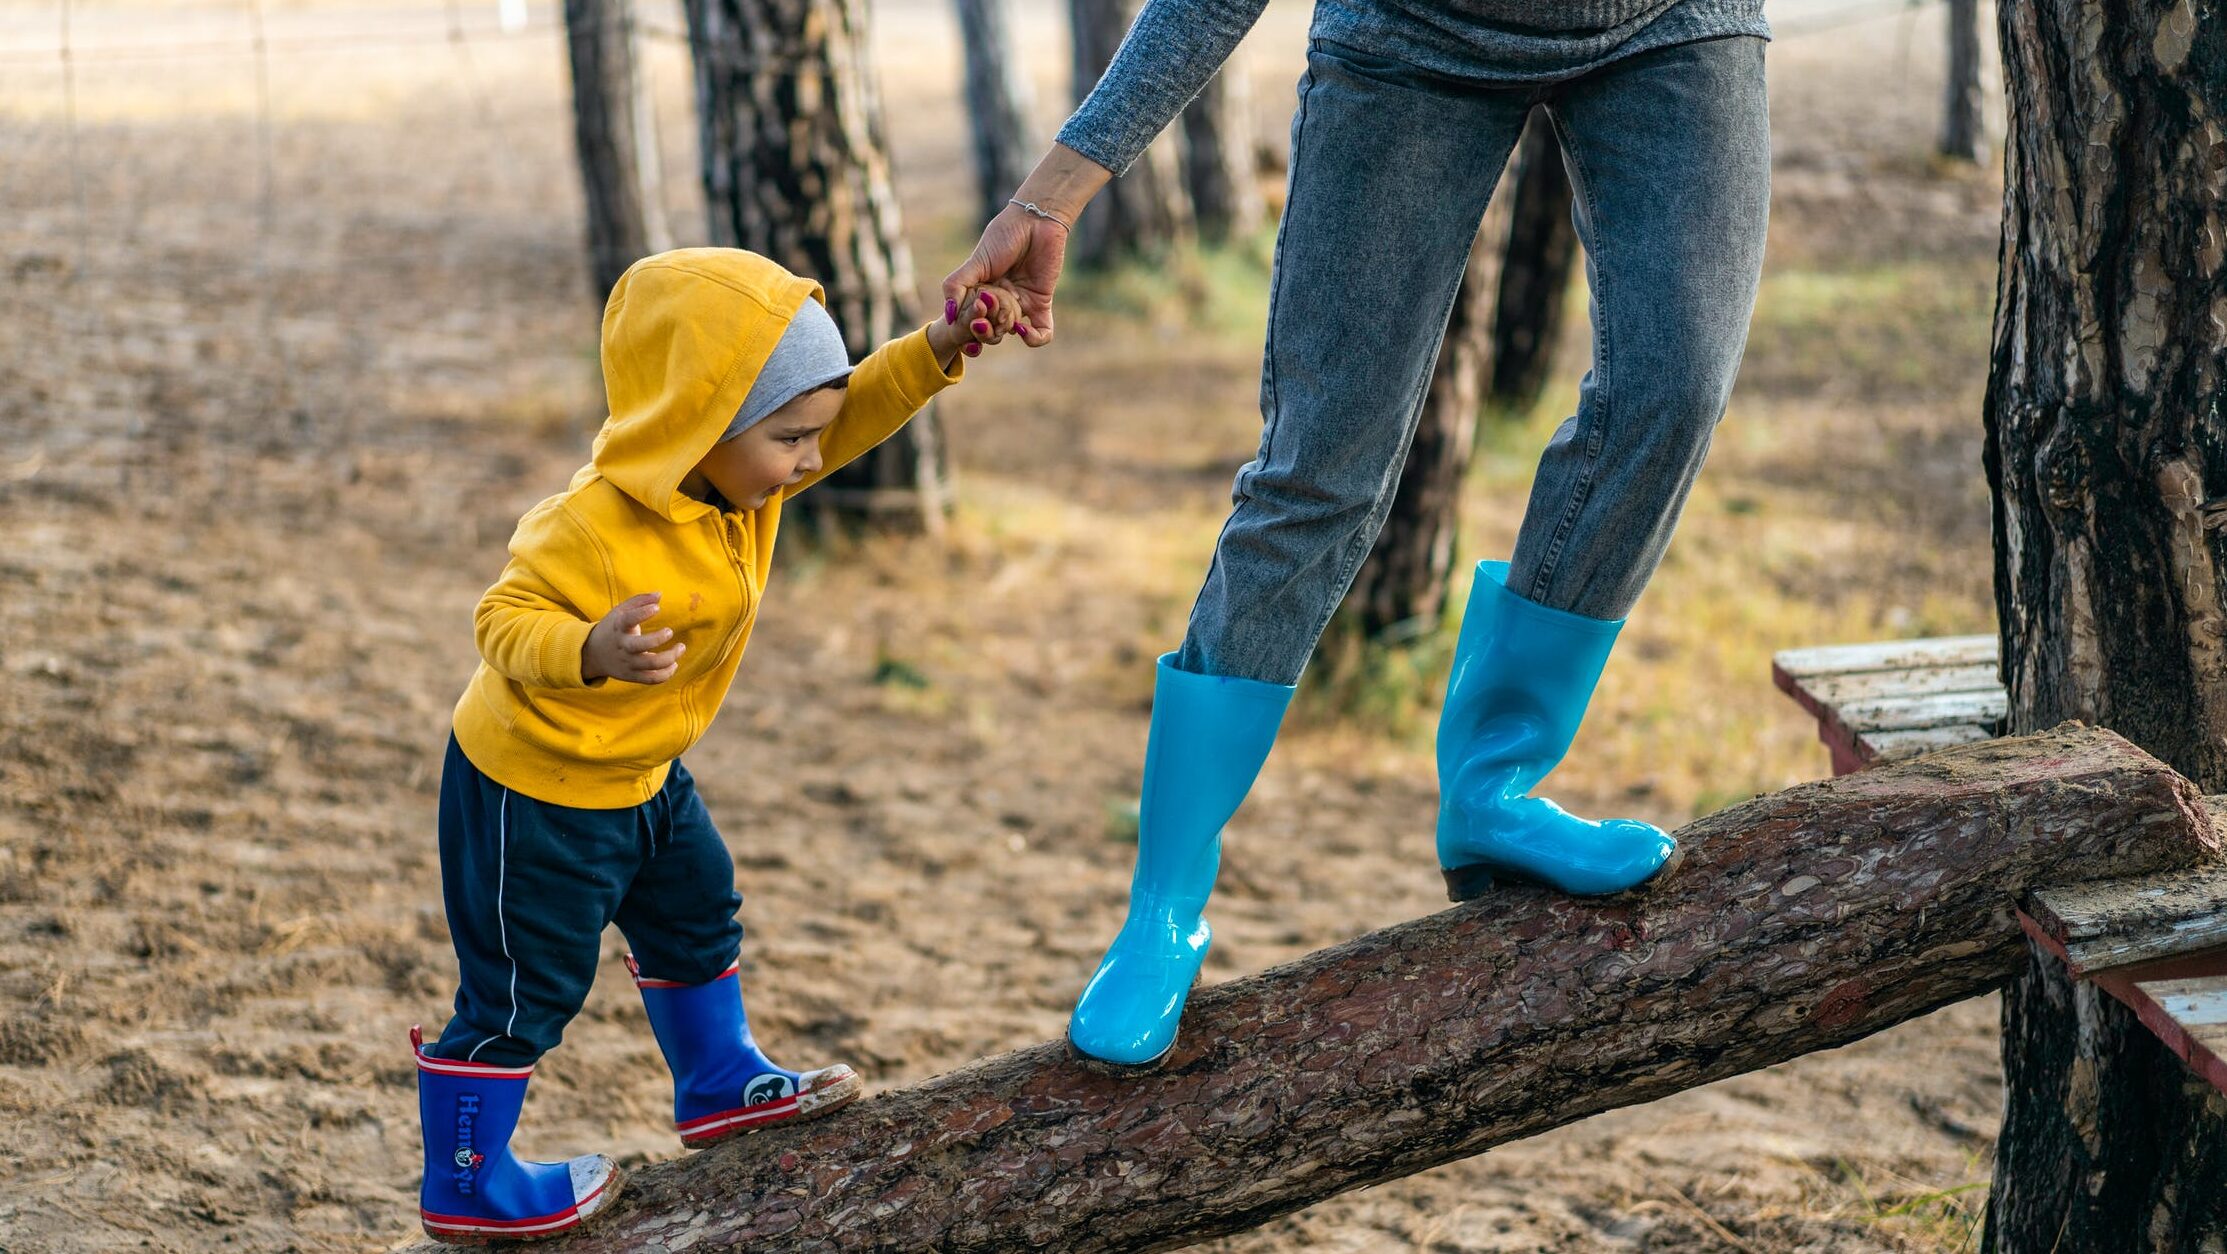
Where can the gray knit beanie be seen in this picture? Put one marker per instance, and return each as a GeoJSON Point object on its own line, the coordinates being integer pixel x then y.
{"type": "Point", "coordinates": [810, 355]}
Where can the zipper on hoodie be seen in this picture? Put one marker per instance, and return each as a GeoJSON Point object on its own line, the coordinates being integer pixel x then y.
{"type": "Point", "coordinates": [728, 533]}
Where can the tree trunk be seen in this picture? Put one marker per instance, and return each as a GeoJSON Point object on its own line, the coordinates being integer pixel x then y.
{"type": "Point", "coordinates": [607, 134]}
{"type": "Point", "coordinates": [795, 168]}
{"type": "Point", "coordinates": [1218, 157]}
{"type": "Point", "coordinates": [1401, 587]}
{"type": "Point", "coordinates": [1535, 272]}
{"type": "Point", "coordinates": [1144, 210]}
{"type": "Point", "coordinates": [2108, 462]}
{"type": "Point", "coordinates": [1799, 921]}
{"type": "Point", "coordinates": [998, 101]}
{"type": "Point", "coordinates": [1963, 124]}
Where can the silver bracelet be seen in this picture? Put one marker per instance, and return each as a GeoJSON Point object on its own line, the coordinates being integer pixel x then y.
{"type": "Point", "coordinates": [1030, 208]}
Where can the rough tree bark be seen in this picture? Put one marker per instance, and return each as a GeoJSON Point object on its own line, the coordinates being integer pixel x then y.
{"type": "Point", "coordinates": [2108, 461]}
{"type": "Point", "coordinates": [1218, 157]}
{"type": "Point", "coordinates": [999, 101]}
{"type": "Point", "coordinates": [1144, 210]}
{"type": "Point", "coordinates": [1402, 585]}
{"type": "Point", "coordinates": [795, 168]}
{"type": "Point", "coordinates": [1799, 921]}
{"type": "Point", "coordinates": [1963, 120]}
{"type": "Point", "coordinates": [607, 133]}
{"type": "Point", "coordinates": [1534, 270]}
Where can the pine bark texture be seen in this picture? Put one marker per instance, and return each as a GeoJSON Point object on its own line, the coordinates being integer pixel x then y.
{"type": "Point", "coordinates": [796, 168]}
{"type": "Point", "coordinates": [1145, 210]}
{"type": "Point", "coordinates": [1963, 99]}
{"type": "Point", "coordinates": [1534, 270]}
{"type": "Point", "coordinates": [1218, 157]}
{"type": "Point", "coordinates": [607, 134]}
{"type": "Point", "coordinates": [999, 101]}
{"type": "Point", "coordinates": [1799, 921]}
{"type": "Point", "coordinates": [2108, 460]}
{"type": "Point", "coordinates": [1401, 587]}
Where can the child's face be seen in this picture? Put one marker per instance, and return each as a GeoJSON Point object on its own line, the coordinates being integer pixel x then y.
{"type": "Point", "coordinates": [780, 450]}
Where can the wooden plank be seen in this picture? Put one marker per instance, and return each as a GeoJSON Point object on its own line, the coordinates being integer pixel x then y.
{"type": "Point", "coordinates": [1895, 746]}
{"type": "Point", "coordinates": [1941, 709]}
{"type": "Point", "coordinates": [2117, 923]}
{"type": "Point", "coordinates": [1884, 655]}
{"type": "Point", "coordinates": [2194, 984]}
{"type": "Point", "coordinates": [1908, 682]}
{"type": "Point", "coordinates": [2190, 1016]}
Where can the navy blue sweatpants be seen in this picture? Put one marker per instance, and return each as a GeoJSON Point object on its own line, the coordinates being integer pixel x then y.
{"type": "Point", "coordinates": [530, 886]}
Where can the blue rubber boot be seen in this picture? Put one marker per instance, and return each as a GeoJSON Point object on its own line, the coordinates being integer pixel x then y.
{"type": "Point", "coordinates": [1523, 675]}
{"type": "Point", "coordinates": [475, 1190]}
{"type": "Point", "coordinates": [723, 1086]}
{"type": "Point", "coordinates": [1209, 736]}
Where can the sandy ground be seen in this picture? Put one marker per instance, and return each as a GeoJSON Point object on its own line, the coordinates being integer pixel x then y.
{"type": "Point", "coordinates": [260, 456]}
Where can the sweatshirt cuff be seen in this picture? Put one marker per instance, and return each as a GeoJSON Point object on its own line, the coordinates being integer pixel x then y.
{"type": "Point", "coordinates": [557, 652]}
{"type": "Point", "coordinates": [917, 373]}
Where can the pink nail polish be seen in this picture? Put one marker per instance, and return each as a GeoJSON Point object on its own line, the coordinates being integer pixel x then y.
{"type": "Point", "coordinates": [950, 312]}
{"type": "Point", "coordinates": [973, 350]}
{"type": "Point", "coordinates": [980, 327]}
{"type": "Point", "coordinates": [989, 302]}
{"type": "Point", "coordinates": [1026, 329]}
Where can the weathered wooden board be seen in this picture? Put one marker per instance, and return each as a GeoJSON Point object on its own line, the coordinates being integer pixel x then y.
{"type": "Point", "coordinates": [1941, 709]}
{"type": "Point", "coordinates": [1885, 655]}
{"type": "Point", "coordinates": [2190, 1016]}
{"type": "Point", "coordinates": [1894, 746]}
{"type": "Point", "coordinates": [1895, 699]}
{"type": "Point", "coordinates": [1913, 681]}
{"type": "Point", "coordinates": [2119, 923]}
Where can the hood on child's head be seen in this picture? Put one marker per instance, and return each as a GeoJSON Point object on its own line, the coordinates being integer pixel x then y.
{"type": "Point", "coordinates": [685, 334]}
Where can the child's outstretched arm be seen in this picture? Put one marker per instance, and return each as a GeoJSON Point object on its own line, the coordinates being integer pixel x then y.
{"type": "Point", "coordinates": [898, 379]}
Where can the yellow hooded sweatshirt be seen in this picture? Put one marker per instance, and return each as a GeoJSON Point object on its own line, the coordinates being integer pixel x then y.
{"type": "Point", "coordinates": [684, 335]}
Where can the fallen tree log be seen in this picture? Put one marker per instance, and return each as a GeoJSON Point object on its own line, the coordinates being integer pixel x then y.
{"type": "Point", "coordinates": [1799, 921]}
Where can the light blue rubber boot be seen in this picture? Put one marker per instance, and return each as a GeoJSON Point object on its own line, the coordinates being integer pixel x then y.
{"type": "Point", "coordinates": [1523, 675]}
{"type": "Point", "coordinates": [723, 1084]}
{"type": "Point", "coordinates": [475, 1191]}
{"type": "Point", "coordinates": [1209, 736]}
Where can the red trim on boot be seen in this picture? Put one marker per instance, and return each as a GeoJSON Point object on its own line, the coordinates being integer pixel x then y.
{"type": "Point", "coordinates": [443, 1066]}
{"type": "Point", "coordinates": [466, 1225]}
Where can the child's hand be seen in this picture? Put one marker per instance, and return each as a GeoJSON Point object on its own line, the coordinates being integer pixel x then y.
{"type": "Point", "coordinates": [616, 646]}
{"type": "Point", "coordinates": [986, 316]}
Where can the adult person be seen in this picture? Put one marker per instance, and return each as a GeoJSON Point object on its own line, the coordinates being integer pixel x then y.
{"type": "Point", "coordinates": [1406, 115]}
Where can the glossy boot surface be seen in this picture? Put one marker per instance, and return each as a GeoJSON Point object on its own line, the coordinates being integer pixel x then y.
{"type": "Point", "coordinates": [475, 1190]}
{"type": "Point", "coordinates": [723, 1085]}
{"type": "Point", "coordinates": [1209, 736]}
{"type": "Point", "coordinates": [1523, 676]}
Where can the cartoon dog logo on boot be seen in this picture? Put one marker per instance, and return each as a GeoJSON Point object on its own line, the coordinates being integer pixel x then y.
{"type": "Point", "coordinates": [767, 1088]}
{"type": "Point", "coordinates": [467, 1160]}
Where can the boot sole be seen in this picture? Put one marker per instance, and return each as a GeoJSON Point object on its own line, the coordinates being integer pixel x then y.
{"type": "Point", "coordinates": [1468, 883]}
{"type": "Point", "coordinates": [589, 1212]}
{"type": "Point", "coordinates": [1102, 1066]}
{"type": "Point", "coordinates": [811, 1104]}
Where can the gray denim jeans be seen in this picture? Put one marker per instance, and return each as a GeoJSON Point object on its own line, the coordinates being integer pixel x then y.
{"type": "Point", "coordinates": [1670, 159]}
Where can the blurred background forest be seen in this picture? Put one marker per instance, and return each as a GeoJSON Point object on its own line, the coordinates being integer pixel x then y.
{"type": "Point", "coordinates": [298, 317]}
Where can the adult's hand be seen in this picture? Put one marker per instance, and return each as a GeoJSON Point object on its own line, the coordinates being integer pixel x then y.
{"type": "Point", "coordinates": [1026, 252]}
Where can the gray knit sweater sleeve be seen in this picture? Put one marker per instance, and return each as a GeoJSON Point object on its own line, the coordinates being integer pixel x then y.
{"type": "Point", "coordinates": [1172, 48]}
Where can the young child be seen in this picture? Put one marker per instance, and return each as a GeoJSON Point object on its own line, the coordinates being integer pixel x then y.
{"type": "Point", "coordinates": [607, 647]}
